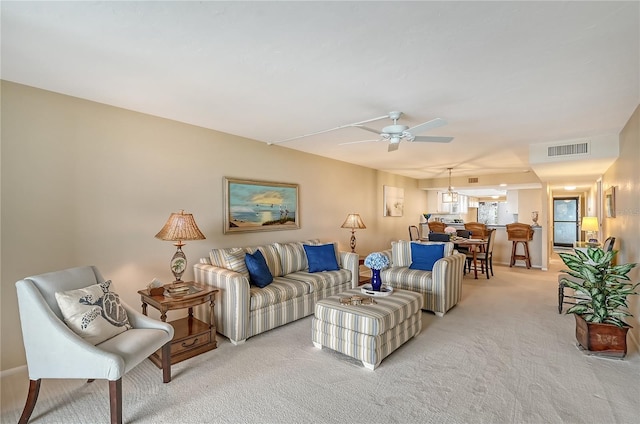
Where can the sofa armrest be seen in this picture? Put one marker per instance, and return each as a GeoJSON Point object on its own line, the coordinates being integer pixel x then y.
{"type": "Point", "coordinates": [351, 262]}
{"type": "Point", "coordinates": [447, 280]}
{"type": "Point", "coordinates": [232, 311]}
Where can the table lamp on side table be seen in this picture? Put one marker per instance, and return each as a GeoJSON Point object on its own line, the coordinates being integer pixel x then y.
{"type": "Point", "coordinates": [180, 226]}
{"type": "Point", "coordinates": [354, 222]}
{"type": "Point", "coordinates": [590, 225]}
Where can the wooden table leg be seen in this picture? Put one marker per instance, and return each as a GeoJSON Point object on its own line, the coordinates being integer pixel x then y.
{"type": "Point", "coordinates": [475, 262]}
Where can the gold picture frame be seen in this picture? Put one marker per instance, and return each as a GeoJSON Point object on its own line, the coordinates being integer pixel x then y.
{"type": "Point", "coordinates": [610, 202]}
{"type": "Point", "coordinates": [251, 205]}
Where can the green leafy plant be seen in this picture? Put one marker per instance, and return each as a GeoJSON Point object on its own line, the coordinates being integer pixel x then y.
{"type": "Point", "coordinates": [602, 288]}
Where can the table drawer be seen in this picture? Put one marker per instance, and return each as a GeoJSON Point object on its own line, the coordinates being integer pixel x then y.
{"type": "Point", "coordinates": [189, 343]}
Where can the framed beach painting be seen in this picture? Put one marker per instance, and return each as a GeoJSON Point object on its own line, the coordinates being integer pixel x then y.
{"type": "Point", "coordinates": [259, 206]}
{"type": "Point", "coordinates": [610, 202]}
{"type": "Point", "coordinates": [393, 201]}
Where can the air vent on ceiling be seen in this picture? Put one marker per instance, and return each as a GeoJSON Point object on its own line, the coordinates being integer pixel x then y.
{"type": "Point", "coordinates": [568, 149]}
{"type": "Point", "coordinates": [472, 180]}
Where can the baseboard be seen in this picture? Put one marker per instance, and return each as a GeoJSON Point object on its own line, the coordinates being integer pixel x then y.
{"type": "Point", "coordinates": [13, 371]}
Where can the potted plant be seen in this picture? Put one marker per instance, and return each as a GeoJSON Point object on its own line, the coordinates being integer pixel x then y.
{"type": "Point", "coordinates": [601, 290]}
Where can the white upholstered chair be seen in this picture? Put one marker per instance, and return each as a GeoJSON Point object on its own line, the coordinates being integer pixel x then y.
{"type": "Point", "coordinates": [53, 350]}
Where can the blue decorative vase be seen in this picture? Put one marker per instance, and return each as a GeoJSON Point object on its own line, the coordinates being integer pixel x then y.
{"type": "Point", "coordinates": [376, 281]}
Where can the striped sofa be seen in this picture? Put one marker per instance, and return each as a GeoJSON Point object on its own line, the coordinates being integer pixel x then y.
{"type": "Point", "coordinates": [243, 310]}
{"type": "Point", "coordinates": [441, 288]}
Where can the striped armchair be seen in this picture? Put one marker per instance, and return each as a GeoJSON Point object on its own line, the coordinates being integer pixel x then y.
{"type": "Point", "coordinates": [441, 288]}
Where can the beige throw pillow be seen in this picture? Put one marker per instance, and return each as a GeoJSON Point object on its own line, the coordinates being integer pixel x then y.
{"type": "Point", "coordinates": [94, 313]}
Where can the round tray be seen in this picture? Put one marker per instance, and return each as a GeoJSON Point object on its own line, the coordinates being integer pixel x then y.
{"type": "Point", "coordinates": [384, 290]}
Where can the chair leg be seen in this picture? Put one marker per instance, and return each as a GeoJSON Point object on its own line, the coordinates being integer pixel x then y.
{"type": "Point", "coordinates": [32, 397]}
{"type": "Point", "coordinates": [115, 400]}
{"type": "Point", "coordinates": [166, 362]}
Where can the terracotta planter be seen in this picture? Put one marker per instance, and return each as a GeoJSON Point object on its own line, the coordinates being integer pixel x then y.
{"type": "Point", "coordinates": [605, 339]}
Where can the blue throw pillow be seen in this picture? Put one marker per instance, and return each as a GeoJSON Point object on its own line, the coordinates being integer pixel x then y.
{"type": "Point", "coordinates": [259, 274]}
{"type": "Point", "coordinates": [423, 256]}
{"type": "Point", "coordinates": [321, 258]}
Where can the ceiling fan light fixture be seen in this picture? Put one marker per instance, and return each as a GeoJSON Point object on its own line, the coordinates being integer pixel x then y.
{"type": "Point", "coordinates": [450, 196]}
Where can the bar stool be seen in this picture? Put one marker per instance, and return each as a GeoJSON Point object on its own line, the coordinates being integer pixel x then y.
{"type": "Point", "coordinates": [519, 233]}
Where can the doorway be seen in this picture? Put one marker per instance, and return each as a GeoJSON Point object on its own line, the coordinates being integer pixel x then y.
{"type": "Point", "coordinates": [565, 221]}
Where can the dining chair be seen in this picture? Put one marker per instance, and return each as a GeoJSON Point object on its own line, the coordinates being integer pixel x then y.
{"type": "Point", "coordinates": [478, 230]}
{"type": "Point", "coordinates": [414, 233]}
{"type": "Point", "coordinates": [607, 247]}
{"type": "Point", "coordinates": [56, 348]}
{"type": "Point", "coordinates": [436, 227]}
{"type": "Point", "coordinates": [484, 257]}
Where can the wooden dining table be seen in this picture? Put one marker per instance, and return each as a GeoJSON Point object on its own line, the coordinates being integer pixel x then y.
{"type": "Point", "coordinates": [475, 246]}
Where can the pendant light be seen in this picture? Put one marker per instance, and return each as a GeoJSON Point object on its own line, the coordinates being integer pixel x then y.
{"type": "Point", "coordinates": [450, 196]}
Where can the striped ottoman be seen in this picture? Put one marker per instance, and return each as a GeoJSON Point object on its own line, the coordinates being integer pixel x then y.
{"type": "Point", "coordinates": [367, 332]}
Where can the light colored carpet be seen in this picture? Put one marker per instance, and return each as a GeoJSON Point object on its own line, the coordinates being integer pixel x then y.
{"type": "Point", "coordinates": [502, 355]}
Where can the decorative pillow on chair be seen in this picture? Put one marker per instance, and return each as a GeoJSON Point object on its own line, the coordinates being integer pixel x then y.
{"type": "Point", "coordinates": [424, 256]}
{"type": "Point", "coordinates": [94, 313]}
{"type": "Point", "coordinates": [259, 274]}
{"type": "Point", "coordinates": [321, 257]}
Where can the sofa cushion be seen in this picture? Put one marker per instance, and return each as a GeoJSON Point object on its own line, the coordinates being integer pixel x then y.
{"type": "Point", "coordinates": [319, 281]}
{"type": "Point", "coordinates": [271, 257]}
{"type": "Point", "coordinates": [292, 257]}
{"type": "Point", "coordinates": [321, 257]}
{"type": "Point", "coordinates": [401, 251]}
{"type": "Point", "coordinates": [280, 290]}
{"type": "Point", "coordinates": [408, 279]}
{"type": "Point", "coordinates": [235, 260]}
{"type": "Point", "coordinates": [424, 256]}
{"type": "Point", "coordinates": [218, 258]}
{"type": "Point", "coordinates": [94, 313]}
{"type": "Point", "coordinates": [259, 274]}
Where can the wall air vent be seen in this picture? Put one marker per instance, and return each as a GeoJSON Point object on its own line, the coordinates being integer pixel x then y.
{"type": "Point", "coordinates": [472, 180]}
{"type": "Point", "coordinates": [568, 149]}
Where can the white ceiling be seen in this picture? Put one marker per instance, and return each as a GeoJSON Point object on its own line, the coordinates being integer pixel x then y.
{"type": "Point", "coordinates": [503, 74]}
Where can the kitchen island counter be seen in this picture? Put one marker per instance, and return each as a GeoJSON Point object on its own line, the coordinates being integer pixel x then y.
{"type": "Point", "coordinates": [502, 246]}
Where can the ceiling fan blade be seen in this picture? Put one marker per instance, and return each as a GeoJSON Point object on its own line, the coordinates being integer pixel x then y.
{"type": "Point", "coordinates": [355, 124]}
{"type": "Point", "coordinates": [434, 123]}
{"type": "Point", "coordinates": [433, 139]}
{"type": "Point", "coordinates": [362, 127]}
{"type": "Point", "coordinates": [393, 147]}
{"type": "Point", "coordinates": [357, 142]}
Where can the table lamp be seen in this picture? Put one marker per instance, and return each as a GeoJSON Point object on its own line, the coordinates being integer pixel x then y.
{"type": "Point", "coordinates": [180, 226]}
{"type": "Point", "coordinates": [590, 225]}
{"type": "Point", "coordinates": [354, 222]}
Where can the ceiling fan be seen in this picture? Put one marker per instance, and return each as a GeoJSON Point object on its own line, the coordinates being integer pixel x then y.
{"type": "Point", "coordinates": [396, 132]}
{"type": "Point", "coordinates": [392, 133]}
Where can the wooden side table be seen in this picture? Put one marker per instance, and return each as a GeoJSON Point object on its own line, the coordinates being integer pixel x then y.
{"type": "Point", "coordinates": [191, 336]}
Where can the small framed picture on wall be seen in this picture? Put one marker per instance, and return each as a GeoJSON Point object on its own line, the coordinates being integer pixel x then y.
{"type": "Point", "coordinates": [610, 202]}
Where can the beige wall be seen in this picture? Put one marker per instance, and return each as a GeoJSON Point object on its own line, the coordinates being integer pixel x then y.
{"type": "Point", "coordinates": [625, 175]}
{"type": "Point", "coordinates": [85, 183]}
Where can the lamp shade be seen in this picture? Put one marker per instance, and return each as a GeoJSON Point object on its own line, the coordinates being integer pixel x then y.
{"type": "Point", "coordinates": [180, 226]}
{"type": "Point", "coordinates": [590, 223]}
{"type": "Point", "coordinates": [353, 221]}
